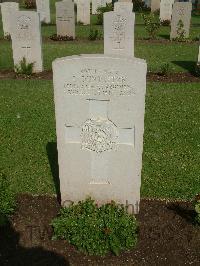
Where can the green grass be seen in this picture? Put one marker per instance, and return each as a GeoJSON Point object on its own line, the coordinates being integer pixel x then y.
{"type": "Point", "coordinates": [171, 144]}
{"type": "Point", "coordinates": [181, 57]}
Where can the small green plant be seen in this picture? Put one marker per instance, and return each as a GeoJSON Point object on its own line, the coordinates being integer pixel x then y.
{"type": "Point", "coordinates": [29, 4]}
{"type": "Point", "coordinates": [93, 35]}
{"type": "Point", "coordinates": [164, 69]}
{"type": "Point", "coordinates": [24, 67]}
{"type": "Point", "coordinates": [96, 230]}
{"type": "Point", "coordinates": [180, 32]}
{"type": "Point", "coordinates": [197, 209]}
{"type": "Point", "coordinates": [7, 199]}
{"type": "Point", "coordinates": [152, 24]}
{"type": "Point", "coordinates": [101, 11]}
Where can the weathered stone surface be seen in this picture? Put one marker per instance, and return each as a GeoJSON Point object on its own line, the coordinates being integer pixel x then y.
{"type": "Point", "coordinates": [155, 5]}
{"type": "Point", "coordinates": [26, 38]}
{"type": "Point", "coordinates": [6, 12]}
{"type": "Point", "coordinates": [83, 11]}
{"type": "Point", "coordinates": [123, 7]}
{"type": "Point", "coordinates": [43, 9]}
{"type": "Point", "coordinates": [119, 33]}
{"type": "Point", "coordinates": [181, 17]}
{"type": "Point", "coordinates": [65, 18]}
{"type": "Point", "coordinates": [100, 104]}
{"type": "Point", "coordinates": [166, 9]}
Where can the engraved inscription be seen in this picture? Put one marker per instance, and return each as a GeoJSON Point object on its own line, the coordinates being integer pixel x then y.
{"type": "Point", "coordinates": [24, 25]}
{"type": "Point", "coordinates": [118, 39]}
{"type": "Point", "coordinates": [99, 135]}
{"type": "Point", "coordinates": [94, 82]}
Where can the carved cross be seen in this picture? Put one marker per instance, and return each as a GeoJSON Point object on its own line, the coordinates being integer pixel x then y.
{"type": "Point", "coordinates": [99, 135]}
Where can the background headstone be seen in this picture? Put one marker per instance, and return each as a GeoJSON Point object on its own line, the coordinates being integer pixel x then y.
{"type": "Point", "coordinates": [6, 12]}
{"type": "Point", "coordinates": [181, 16]}
{"type": "Point", "coordinates": [83, 11]}
{"type": "Point", "coordinates": [123, 6]}
{"type": "Point", "coordinates": [96, 4]}
{"type": "Point", "coordinates": [65, 18]}
{"type": "Point", "coordinates": [155, 5]}
{"type": "Point", "coordinates": [100, 105]}
{"type": "Point", "coordinates": [166, 9]}
{"type": "Point", "coordinates": [119, 33]}
{"type": "Point", "coordinates": [43, 9]}
{"type": "Point", "coordinates": [26, 38]}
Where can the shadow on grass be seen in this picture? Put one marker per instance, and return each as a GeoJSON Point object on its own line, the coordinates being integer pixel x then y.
{"type": "Point", "coordinates": [184, 212]}
{"type": "Point", "coordinates": [164, 36]}
{"type": "Point", "coordinates": [187, 65]}
{"type": "Point", "coordinates": [52, 153]}
{"type": "Point", "coordinates": [12, 253]}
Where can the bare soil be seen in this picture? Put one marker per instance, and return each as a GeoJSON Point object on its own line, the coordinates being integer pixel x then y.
{"type": "Point", "coordinates": [153, 77]}
{"type": "Point", "coordinates": [168, 236]}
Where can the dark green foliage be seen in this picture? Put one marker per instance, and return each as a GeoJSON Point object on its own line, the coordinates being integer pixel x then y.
{"type": "Point", "coordinates": [152, 24]}
{"type": "Point", "coordinates": [7, 199]}
{"type": "Point", "coordinates": [96, 230]}
{"type": "Point", "coordinates": [139, 5]}
{"type": "Point", "coordinates": [197, 208]}
{"type": "Point", "coordinates": [164, 69]}
{"type": "Point", "coordinates": [101, 11]}
{"type": "Point", "coordinates": [66, 38]}
{"type": "Point", "coordinates": [197, 70]}
{"type": "Point", "coordinates": [29, 4]}
{"type": "Point", "coordinates": [24, 67]}
{"type": "Point", "coordinates": [165, 22]}
{"type": "Point", "coordinates": [93, 35]}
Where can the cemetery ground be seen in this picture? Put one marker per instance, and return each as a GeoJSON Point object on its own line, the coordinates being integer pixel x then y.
{"type": "Point", "coordinates": [170, 175]}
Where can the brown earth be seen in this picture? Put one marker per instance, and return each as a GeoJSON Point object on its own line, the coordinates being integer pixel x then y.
{"type": "Point", "coordinates": [167, 236]}
{"type": "Point", "coordinates": [153, 77]}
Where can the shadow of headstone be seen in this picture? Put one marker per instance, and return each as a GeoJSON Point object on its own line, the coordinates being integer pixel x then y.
{"type": "Point", "coordinates": [187, 65]}
{"type": "Point", "coordinates": [13, 254]}
{"type": "Point", "coordinates": [52, 153]}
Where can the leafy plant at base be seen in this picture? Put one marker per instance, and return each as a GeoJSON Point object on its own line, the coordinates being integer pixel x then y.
{"type": "Point", "coordinates": [197, 208]}
{"type": "Point", "coordinates": [152, 24]}
{"type": "Point", "coordinates": [93, 35]}
{"type": "Point", "coordinates": [180, 32]}
{"type": "Point", "coordinates": [101, 11]}
{"type": "Point", "coordinates": [29, 4]}
{"type": "Point", "coordinates": [24, 67]}
{"type": "Point", "coordinates": [96, 230]}
{"type": "Point", "coordinates": [164, 69]}
{"type": "Point", "coordinates": [7, 199]}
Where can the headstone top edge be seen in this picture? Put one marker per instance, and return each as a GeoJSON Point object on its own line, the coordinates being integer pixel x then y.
{"type": "Point", "coordinates": [98, 56]}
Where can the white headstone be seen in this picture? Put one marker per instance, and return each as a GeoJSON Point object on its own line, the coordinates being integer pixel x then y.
{"type": "Point", "coordinates": [65, 18]}
{"type": "Point", "coordinates": [155, 5]}
{"type": "Point", "coordinates": [6, 12]}
{"type": "Point", "coordinates": [119, 33]}
{"type": "Point", "coordinates": [100, 105]}
{"type": "Point", "coordinates": [83, 11]}
{"type": "Point", "coordinates": [166, 9]}
{"type": "Point", "coordinates": [26, 38]}
{"type": "Point", "coordinates": [43, 9]}
{"type": "Point", "coordinates": [96, 4]}
{"type": "Point", "coordinates": [123, 7]}
{"type": "Point", "coordinates": [181, 16]}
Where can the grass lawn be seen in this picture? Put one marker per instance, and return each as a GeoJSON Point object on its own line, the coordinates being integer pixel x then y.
{"type": "Point", "coordinates": [181, 57]}
{"type": "Point", "coordinates": [171, 144]}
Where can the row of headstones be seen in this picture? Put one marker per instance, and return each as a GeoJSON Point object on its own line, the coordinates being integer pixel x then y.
{"type": "Point", "coordinates": [26, 34]}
